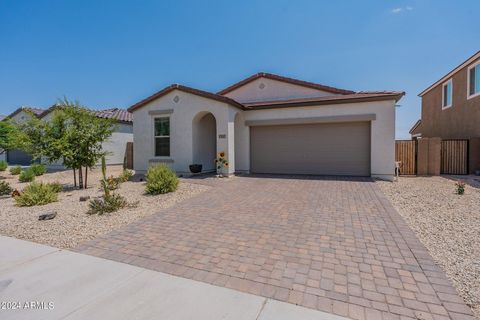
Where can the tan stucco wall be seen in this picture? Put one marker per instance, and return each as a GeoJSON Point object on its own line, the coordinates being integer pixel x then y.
{"type": "Point", "coordinates": [181, 130]}
{"type": "Point", "coordinates": [230, 122]}
{"type": "Point", "coordinates": [382, 129]}
{"type": "Point", "coordinates": [460, 121]}
{"type": "Point", "coordinates": [264, 89]}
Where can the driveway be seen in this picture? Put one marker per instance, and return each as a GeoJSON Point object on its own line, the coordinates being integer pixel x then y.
{"type": "Point", "coordinates": [331, 244]}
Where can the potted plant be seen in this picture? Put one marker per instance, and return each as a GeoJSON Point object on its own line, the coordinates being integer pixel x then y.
{"type": "Point", "coordinates": [195, 168]}
{"type": "Point", "coordinates": [221, 164]}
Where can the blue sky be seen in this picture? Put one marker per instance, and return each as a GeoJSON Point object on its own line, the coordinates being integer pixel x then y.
{"type": "Point", "coordinates": [114, 53]}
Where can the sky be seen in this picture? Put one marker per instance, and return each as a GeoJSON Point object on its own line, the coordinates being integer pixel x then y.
{"type": "Point", "coordinates": [115, 53]}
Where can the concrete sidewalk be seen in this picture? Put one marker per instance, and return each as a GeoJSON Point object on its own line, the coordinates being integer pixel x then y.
{"type": "Point", "coordinates": [40, 282]}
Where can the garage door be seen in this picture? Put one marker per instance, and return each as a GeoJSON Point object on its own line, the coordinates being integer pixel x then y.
{"type": "Point", "coordinates": [18, 157]}
{"type": "Point", "coordinates": [323, 149]}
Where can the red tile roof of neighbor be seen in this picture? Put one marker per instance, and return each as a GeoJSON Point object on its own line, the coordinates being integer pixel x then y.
{"type": "Point", "coordinates": [344, 96]}
{"type": "Point", "coordinates": [117, 114]}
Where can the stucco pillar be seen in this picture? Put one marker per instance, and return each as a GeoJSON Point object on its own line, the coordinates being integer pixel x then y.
{"type": "Point", "coordinates": [434, 156]}
{"type": "Point", "coordinates": [230, 149]}
{"type": "Point", "coordinates": [422, 157]}
{"type": "Point", "coordinates": [474, 155]}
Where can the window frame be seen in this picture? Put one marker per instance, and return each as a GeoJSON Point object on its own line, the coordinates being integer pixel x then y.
{"type": "Point", "coordinates": [446, 83]}
{"type": "Point", "coordinates": [472, 66]}
{"type": "Point", "coordinates": [169, 137]}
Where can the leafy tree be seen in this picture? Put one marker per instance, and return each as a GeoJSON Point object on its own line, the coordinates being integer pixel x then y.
{"type": "Point", "coordinates": [7, 136]}
{"type": "Point", "coordinates": [73, 135]}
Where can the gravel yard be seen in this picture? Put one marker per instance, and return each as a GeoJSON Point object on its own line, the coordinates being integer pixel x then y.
{"type": "Point", "coordinates": [72, 225]}
{"type": "Point", "coordinates": [447, 224]}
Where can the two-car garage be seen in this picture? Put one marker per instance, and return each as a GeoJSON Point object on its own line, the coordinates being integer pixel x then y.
{"type": "Point", "coordinates": [338, 148]}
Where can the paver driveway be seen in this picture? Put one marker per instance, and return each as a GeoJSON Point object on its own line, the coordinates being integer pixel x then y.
{"type": "Point", "coordinates": [334, 244]}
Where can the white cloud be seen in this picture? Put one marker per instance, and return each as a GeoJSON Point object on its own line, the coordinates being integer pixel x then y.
{"type": "Point", "coordinates": [401, 9]}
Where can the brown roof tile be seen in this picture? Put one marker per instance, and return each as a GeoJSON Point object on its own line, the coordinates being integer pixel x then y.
{"type": "Point", "coordinates": [354, 97]}
{"type": "Point", "coordinates": [197, 92]}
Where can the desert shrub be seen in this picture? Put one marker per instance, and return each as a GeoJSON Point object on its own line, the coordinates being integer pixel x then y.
{"type": "Point", "coordinates": [112, 183]}
{"type": "Point", "coordinates": [5, 188]}
{"type": "Point", "coordinates": [15, 170]}
{"type": "Point", "coordinates": [3, 165]}
{"type": "Point", "coordinates": [126, 175]}
{"type": "Point", "coordinates": [26, 176]}
{"type": "Point", "coordinates": [107, 204]}
{"type": "Point", "coordinates": [56, 186]}
{"type": "Point", "coordinates": [38, 169]}
{"type": "Point", "coordinates": [161, 179]}
{"type": "Point", "coordinates": [460, 186]}
{"type": "Point", "coordinates": [36, 194]}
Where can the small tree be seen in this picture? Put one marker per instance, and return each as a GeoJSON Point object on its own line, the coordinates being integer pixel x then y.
{"type": "Point", "coordinates": [73, 135]}
{"type": "Point", "coordinates": [8, 134]}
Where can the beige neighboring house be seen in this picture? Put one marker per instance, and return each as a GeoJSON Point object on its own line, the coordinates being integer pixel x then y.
{"type": "Point", "coordinates": [268, 124]}
{"type": "Point", "coordinates": [451, 108]}
{"type": "Point", "coordinates": [116, 145]}
{"type": "Point", "coordinates": [3, 154]}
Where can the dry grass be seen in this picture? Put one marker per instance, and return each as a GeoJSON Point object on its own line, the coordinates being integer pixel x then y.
{"type": "Point", "coordinates": [448, 224]}
{"type": "Point", "coordinates": [72, 224]}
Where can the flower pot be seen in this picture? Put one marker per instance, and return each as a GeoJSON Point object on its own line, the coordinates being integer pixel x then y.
{"type": "Point", "coordinates": [195, 168]}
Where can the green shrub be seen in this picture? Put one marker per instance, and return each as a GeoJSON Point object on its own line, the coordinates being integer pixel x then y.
{"type": "Point", "coordinates": [161, 179]}
{"type": "Point", "coordinates": [15, 170]}
{"type": "Point", "coordinates": [3, 165]}
{"type": "Point", "coordinates": [56, 186]}
{"type": "Point", "coordinates": [107, 204]}
{"type": "Point", "coordinates": [126, 175]}
{"type": "Point", "coordinates": [38, 169]}
{"type": "Point", "coordinates": [5, 188]}
{"type": "Point", "coordinates": [36, 194]}
{"type": "Point", "coordinates": [26, 176]}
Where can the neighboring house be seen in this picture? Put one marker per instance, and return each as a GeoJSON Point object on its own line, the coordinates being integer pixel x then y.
{"type": "Point", "coordinates": [451, 109]}
{"type": "Point", "coordinates": [116, 145]}
{"type": "Point", "coordinates": [3, 154]}
{"type": "Point", "coordinates": [268, 124]}
{"type": "Point", "coordinates": [451, 106]}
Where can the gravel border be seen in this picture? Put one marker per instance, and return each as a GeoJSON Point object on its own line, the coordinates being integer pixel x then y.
{"type": "Point", "coordinates": [72, 225]}
{"type": "Point", "coordinates": [448, 225]}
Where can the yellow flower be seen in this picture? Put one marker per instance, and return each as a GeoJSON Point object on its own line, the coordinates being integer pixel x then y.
{"type": "Point", "coordinates": [222, 154]}
{"type": "Point", "coordinates": [226, 164]}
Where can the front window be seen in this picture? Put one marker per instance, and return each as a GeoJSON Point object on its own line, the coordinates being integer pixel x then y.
{"type": "Point", "coordinates": [474, 80]}
{"type": "Point", "coordinates": [447, 94]}
{"type": "Point", "coordinates": [162, 137]}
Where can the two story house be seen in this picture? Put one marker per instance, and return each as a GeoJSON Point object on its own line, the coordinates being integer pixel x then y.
{"type": "Point", "coordinates": [451, 107]}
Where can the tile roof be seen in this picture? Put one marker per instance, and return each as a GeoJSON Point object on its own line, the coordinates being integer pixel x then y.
{"type": "Point", "coordinates": [194, 91]}
{"type": "Point", "coordinates": [117, 114]}
{"type": "Point", "coordinates": [361, 96]}
{"type": "Point", "coordinates": [284, 79]}
{"type": "Point", "coordinates": [36, 111]}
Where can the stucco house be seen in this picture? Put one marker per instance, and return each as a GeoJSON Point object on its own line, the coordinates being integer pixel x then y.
{"type": "Point", "coordinates": [115, 146]}
{"type": "Point", "coordinates": [268, 124]}
{"type": "Point", "coordinates": [451, 109]}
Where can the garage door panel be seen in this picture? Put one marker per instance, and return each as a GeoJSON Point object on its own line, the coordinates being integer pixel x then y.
{"type": "Point", "coordinates": [325, 149]}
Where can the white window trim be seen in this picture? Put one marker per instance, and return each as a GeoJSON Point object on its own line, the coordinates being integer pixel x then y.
{"type": "Point", "coordinates": [154, 136]}
{"type": "Point", "coordinates": [470, 96]}
{"type": "Point", "coordinates": [449, 81]}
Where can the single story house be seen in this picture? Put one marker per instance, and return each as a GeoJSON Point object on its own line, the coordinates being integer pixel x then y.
{"type": "Point", "coordinates": [115, 146]}
{"type": "Point", "coordinates": [268, 124]}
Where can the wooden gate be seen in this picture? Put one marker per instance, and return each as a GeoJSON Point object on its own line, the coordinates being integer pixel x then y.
{"type": "Point", "coordinates": [454, 157]}
{"type": "Point", "coordinates": [406, 154]}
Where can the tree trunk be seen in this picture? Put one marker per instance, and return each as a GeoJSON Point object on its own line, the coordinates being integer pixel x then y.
{"type": "Point", "coordinates": [80, 177]}
{"type": "Point", "coordinates": [74, 178]}
{"type": "Point", "coordinates": [86, 176]}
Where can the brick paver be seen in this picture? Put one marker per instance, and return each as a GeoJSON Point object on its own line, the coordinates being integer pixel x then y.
{"type": "Point", "coordinates": [333, 244]}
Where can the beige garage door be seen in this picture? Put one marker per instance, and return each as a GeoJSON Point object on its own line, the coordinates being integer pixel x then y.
{"type": "Point", "coordinates": [323, 149]}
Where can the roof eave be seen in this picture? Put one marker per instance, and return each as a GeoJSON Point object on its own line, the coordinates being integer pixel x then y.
{"type": "Point", "coordinates": [451, 73]}
{"type": "Point", "coordinates": [395, 97]}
